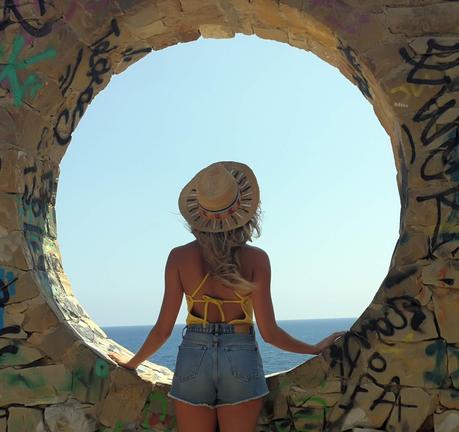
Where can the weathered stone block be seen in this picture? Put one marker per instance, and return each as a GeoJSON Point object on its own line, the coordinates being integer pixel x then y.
{"type": "Point", "coordinates": [445, 302]}
{"type": "Point", "coordinates": [39, 319]}
{"type": "Point", "coordinates": [411, 409]}
{"type": "Point", "coordinates": [401, 354]}
{"type": "Point", "coordinates": [71, 416]}
{"type": "Point", "coordinates": [216, 31]}
{"type": "Point", "coordinates": [447, 421]}
{"type": "Point", "coordinates": [125, 399]}
{"type": "Point", "coordinates": [16, 353]}
{"type": "Point", "coordinates": [420, 364]}
{"type": "Point", "coordinates": [35, 385]}
{"type": "Point", "coordinates": [25, 419]}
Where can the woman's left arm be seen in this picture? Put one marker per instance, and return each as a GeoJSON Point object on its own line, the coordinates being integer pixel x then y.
{"type": "Point", "coordinates": [170, 307]}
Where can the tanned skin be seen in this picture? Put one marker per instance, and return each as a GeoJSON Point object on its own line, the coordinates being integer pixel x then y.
{"type": "Point", "coordinates": [185, 269]}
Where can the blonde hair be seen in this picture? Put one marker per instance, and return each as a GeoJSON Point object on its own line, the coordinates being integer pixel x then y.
{"type": "Point", "coordinates": [220, 251]}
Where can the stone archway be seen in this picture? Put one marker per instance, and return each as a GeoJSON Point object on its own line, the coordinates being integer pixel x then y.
{"type": "Point", "coordinates": [398, 368]}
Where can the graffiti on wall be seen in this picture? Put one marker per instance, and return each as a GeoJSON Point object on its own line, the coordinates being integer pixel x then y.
{"type": "Point", "coordinates": [439, 164]}
{"type": "Point", "coordinates": [358, 75]}
{"type": "Point", "coordinates": [7, 290]}
{"type": "Point", "coordinates": [439, 135]}
{"type": "Point", "coordinates": [13, 63]}
{"type": "Point", "coordinates": [154, 415]}
{"type": "Point", "coordinates": [399, 313]}
{"type": "Point", "coordinates": [12, 13]}
{"type": "Point", "coordinates": [91, 384]}
{"type": "Point", "coordinates": [98, 66]}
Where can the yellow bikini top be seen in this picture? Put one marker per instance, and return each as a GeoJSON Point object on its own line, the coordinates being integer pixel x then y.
{"type": "Point", "coordinates": [246, 306]}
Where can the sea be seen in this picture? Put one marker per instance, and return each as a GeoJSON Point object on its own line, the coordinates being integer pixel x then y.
{"type": "Point", "coordinates": [275, 360]}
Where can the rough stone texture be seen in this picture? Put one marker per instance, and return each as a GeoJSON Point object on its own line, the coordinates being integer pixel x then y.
{"type": "Point", "coordinates": [35, 385]}
{"type": "Point", "coordinates": [447, 421]}
{"type": "Point", "coordinates": [25, 419]}
{"type": "Point", "coordinates": [71, 416]}
{"type": "Point", "coordinates": [17, 353]}
{"type": "Point", "coordinates": [398, 367]}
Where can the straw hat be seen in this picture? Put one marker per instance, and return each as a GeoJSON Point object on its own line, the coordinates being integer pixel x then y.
{"type": "Point", "coordinates": [220, 197]}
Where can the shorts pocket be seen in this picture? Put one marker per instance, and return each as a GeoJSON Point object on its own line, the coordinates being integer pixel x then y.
{"type": "Point", "coordinates": [189, 360]}
{"type": "Point", "coordinates": [245, 361]}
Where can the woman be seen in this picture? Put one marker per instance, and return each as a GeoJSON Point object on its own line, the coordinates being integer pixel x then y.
{"type": "Point", "coordinates": [219, 375]}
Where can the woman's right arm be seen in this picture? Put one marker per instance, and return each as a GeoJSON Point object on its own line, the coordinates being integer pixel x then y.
{"type": "Point", "coordinates": [264, 312]}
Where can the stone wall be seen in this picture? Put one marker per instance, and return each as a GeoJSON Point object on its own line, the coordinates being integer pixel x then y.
{"type": "Point", "coordinates": [398, 367]}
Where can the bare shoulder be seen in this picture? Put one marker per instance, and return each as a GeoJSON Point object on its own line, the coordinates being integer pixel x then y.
{"type": "Point", "coordinates": [179, 253]}
{"type": "Point", "coordinates": [186, 247]}
{"type": "Point", "coordinates": [254, 254]}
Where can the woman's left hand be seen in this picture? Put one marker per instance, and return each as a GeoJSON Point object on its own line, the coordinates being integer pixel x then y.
{"type": "Point", "coordinates": [121, 359]}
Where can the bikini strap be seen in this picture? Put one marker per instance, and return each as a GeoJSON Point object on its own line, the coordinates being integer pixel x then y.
{"type": "Point", "coordinates": [200, 285]}
{"type": "Point", "coordinates": [240, 297]}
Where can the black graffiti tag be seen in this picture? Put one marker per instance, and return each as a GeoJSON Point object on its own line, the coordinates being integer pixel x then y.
{"type": "Point", "coordinates": [128, 53]}
{"type": "Point", "coordinates": [399, 313]}
{"type": "Point", "coordinates": [358, 76]}
{"type": "Point", "coordinates": [439, 127]}
{"type": "Point", "coordinates": [67, 78]}
{"type": "Point", "coordinates": [10, 8]}
{"type": "Point", "coordinates": [99, 65]}
{"type": "Point", "coordinates": [38, 192]}
{"type": "Point", "coordinates": [7, 281]}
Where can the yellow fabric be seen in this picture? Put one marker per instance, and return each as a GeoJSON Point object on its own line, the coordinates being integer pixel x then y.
{"type": "Point", "coordinates": [245, 301]}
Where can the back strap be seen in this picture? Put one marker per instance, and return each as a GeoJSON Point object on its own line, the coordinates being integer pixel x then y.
{"type": "Point", "coordinates": [200, 285]}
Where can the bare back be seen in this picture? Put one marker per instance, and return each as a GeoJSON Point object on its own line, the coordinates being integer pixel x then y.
{"type": "Point", "coordinates": [254, 267]}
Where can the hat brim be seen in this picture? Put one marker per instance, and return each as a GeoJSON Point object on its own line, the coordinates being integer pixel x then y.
{"type": "Point", "coordinates": [248, 203]}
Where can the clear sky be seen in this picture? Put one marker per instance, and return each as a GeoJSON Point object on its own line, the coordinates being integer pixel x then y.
{"type": "Point", "coordinates": [323, 161]}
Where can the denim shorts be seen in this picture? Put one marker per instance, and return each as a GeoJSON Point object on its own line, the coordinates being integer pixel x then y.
{"type": "Point", "coordinates": [216, 366]}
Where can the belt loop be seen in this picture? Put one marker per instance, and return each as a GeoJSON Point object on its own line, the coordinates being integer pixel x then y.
{"type": "Point", "coordinates": [184, 328]}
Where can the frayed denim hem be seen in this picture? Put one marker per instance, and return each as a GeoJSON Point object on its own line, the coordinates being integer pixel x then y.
{"type": "Point", "coordinates": [245, 400]}
{"type": "Point", "coordinates": [190, 403]}
{"type": "Point", "coordinates": [219, 405]}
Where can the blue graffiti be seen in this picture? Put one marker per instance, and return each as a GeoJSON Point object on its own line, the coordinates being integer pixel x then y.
{"type": "Point", "coordinates": [7, 290]}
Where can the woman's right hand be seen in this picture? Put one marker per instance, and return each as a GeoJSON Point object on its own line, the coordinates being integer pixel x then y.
{"type": "Point", "coordinates": [329, 340]}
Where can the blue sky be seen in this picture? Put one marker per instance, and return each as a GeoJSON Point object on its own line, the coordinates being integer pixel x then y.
{"type": "Point", "coordinates": [323, 161]}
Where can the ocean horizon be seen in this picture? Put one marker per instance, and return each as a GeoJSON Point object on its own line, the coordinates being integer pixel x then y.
{"type": "Point", "coordinates": [274, 359]}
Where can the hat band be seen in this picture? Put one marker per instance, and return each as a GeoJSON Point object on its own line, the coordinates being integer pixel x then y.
{"type": "Point", "coordinates": [219, 214]}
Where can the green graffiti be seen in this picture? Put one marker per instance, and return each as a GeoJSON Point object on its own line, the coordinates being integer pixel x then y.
{"type": "Point", "coordinates": [13, 65]}
{"type": "Point", "coordinates": [437, 375]}
{"type": "Point", "coordinates": [284, 425]}
{"type": "Point", "coordinates": [455, 375]}
{"type": "Point", "coordinates": [78, 374]}
{"type": "Point", "coordinates": [308, 419]}
{"type": "Point", "coordinates": [308, 413]}
{"type": "Point", "coordinates": [90, 382]}
{"type": "Point", "coordinates": [102, 370]}
{"type": "Point", "coordinates": [16, 379]}
{"type": "Point", "coordinates": [118, 426]}
{"type": "Point", "coordinates": [320, 401]}
{"type": "Point", "coordinates": [147, 411]}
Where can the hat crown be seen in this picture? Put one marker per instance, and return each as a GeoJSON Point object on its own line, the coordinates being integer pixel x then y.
{"type": "Point", "coordinates": [221, 197]}
{"type": "Point", "coordinates": [216, 188]}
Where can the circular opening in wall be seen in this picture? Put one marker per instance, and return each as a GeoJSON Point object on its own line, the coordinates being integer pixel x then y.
{"type": "Point", "coordinates": [323, 161]}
